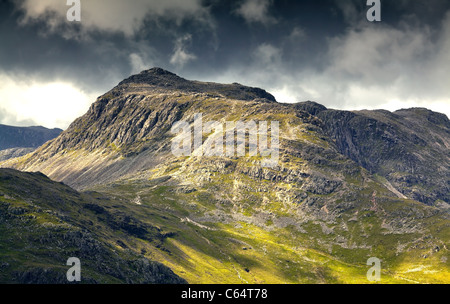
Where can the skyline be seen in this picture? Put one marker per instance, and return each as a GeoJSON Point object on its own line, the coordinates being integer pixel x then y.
{"type": "Point", "coordinates": [326, 51]}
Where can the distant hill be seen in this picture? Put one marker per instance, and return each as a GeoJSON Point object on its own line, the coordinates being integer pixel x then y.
{"type": "Point", "coordinates": [25, 137]}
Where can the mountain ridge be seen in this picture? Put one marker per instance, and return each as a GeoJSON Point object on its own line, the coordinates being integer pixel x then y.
{"type": "Point", "coordinates": [127, 122]}
{"type": "Point", "coordinates": [161, 78]}
{"type": "Point", "coordinates": [349, 185]}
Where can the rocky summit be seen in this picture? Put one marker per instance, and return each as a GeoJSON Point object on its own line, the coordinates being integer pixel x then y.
{"type": "Point", "coordinates": [347, 186]}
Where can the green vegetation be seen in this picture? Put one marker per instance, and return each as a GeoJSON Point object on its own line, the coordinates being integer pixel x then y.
{"type": "Point", "coordinates": [210, 242]}
{"type": "Point", "coordinates": [43, 223]}
{"type": "Point", "coordinates": [348, 186]}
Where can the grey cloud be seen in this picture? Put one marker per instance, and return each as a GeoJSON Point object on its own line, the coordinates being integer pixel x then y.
{"type": "Point", "coordinates": [181, 56]}
{"type": "Point", "coordinates": [352, 10]}
{"type": "Point", "coordinates": [11, 119]}
{"type": "Point", "coordinates": [113, 15]}
{"type": "Point", "coordinates": [405, 59]}
{"type": "Point", "coordinates": [267, 54]}
{"type": "Point", "coordinates": [256, 11]}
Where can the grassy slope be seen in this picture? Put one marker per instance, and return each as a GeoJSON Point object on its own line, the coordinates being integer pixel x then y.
{"type": "Point", "coordinates": [238, 251]}
{"type": "Point", "coordinates": [43, 223]}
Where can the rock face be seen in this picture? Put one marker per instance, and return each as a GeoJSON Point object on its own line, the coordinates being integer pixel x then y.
{"type": "Point", "coordinates": [347, 185]}
{"type": "Point", "coordinates": [410, 147]}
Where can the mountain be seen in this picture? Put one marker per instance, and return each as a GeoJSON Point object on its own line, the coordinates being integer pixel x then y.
{"type": "Point", "coordinates": [25, 137]}
{"type": "Point", "coordinates": [19, 141]}
{"type": "Point", "coordinates": [409, 147]}
{"type": "Point", "coordinates": [44, 223]}
{"type": "Point", "coordinates": [348, 185]}
{"type": "Point", "coordinates": [123, 129]}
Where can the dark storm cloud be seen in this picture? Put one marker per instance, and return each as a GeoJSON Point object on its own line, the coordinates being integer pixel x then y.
{"type": "Point", "coordinates": [324, 50]}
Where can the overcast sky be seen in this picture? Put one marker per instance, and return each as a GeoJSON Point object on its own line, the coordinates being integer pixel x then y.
{"type": "Point", "coordinates": [51, 69]}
